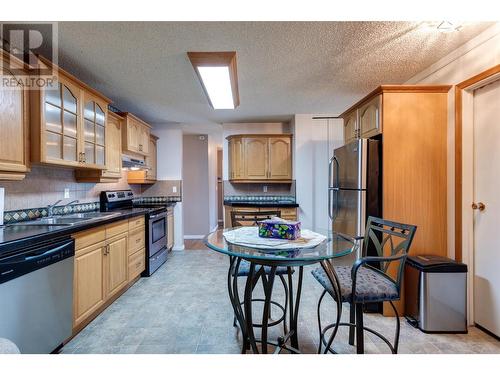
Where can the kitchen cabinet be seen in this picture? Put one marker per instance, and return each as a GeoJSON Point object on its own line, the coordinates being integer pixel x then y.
{"type": "Point", "coordinates": [113, 154]}
{"type": "Point", "coordinates": [255, 158]}
{"type": "Point", "coordinates": [146, 176]}
{"type": "Point", "coordinates": [103, 260]}
{"type": "Point", "coordinates": [350, 126]}
{"type": "Point", "coordinates": [256, 165]}
{"type": "Point", "coordinates": [363, 121]}
{"type": "Point", "coordinates": [116, 264]}
{"type": "Point", "coordinates": [135, 135]}
{"type": "Point", "coordinates": [280, 156]}
{"type": "Point", "coordinates": [88, 288]}
{"type": "Point", "coordinates": [236, 158]}
{"type": "Point", "coordinates": [170, 228]}
{"type": "Point", "coordinates": [14, 123]}
{"type": "Point", "coordinates": [68, 121]}
{"type": "Point", "coordinates": [287, 213]}
{"type": "Point", "coordinates": [411, 122]}
{"type": "Point", "coordinates": [369, 114]}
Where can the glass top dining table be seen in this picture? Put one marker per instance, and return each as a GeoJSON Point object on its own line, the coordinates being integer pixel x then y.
{"type": "Point", "coordinates": [256, 263]}
{"type": "Point", "coordinates": [334, 246]}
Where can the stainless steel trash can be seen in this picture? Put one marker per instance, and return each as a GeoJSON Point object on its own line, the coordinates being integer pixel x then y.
{"type": "Point", "coordinates": [436, 294]}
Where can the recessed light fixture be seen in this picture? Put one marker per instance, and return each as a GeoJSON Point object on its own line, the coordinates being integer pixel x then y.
{"type": "Point", "coordinates": [218, 76]}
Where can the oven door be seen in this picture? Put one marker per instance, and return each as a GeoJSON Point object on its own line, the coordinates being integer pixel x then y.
{"type": "Point", "coordinates": [157, 232]}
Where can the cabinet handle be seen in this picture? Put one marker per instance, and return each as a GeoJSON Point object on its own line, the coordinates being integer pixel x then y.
{"type": "Point", "coordinates": [138, 240]}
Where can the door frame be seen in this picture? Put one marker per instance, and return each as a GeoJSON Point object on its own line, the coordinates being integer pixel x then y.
{"type": "Point", "coordinates": [464, 174]}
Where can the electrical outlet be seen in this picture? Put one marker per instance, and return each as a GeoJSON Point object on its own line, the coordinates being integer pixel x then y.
{"type": "Point", "coordinates": [174, 189]}
{"type": "Point", "coordinates": [264, 188]}
{"type": "Point", "coordinates": [66, 193]}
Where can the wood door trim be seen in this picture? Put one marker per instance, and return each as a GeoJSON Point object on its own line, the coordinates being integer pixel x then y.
{"type": "Point", "coordinates": [459, 88]}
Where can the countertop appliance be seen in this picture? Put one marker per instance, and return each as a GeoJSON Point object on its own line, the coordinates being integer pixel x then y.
{"type": "Point", "coordinates": [436, 294]}
{"type": "Point", "coordinates": [156, 225]}
{"type": "Point", "coordinates": [354, 191]}
{"type": "Point", "coordinates": [36, 290]}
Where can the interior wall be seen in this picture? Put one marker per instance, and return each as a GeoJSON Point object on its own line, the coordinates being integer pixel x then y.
{"type": "Point", "coordinates": [248, 128]}
{"type": "Point", "coordinates": [474, 57]}
{"type": "Point", "coordinates": [314, 142]}
{"type": "Point", "coordinates": [169, 167]}
{"type": "Point", "coordinates": [45, 185]}
{"type": "Point", "coordinates": [213, 143]}
{"type": "Point", "coordinates": [196, 195]}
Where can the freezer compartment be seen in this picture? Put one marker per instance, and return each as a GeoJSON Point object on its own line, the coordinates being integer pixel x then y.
{"type": "Point", "coordinates": [348, 166]}
{"type": "Point", "coordinates": [349, 215]}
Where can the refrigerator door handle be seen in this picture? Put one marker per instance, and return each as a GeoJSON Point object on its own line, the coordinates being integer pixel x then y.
{"type": "Point", "coordinates": [330, 169]}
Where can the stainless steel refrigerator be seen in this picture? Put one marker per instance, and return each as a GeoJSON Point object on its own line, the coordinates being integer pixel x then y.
{"type": "Point", "coordinates": [355, 186]}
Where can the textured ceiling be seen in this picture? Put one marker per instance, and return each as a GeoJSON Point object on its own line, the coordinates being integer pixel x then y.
{"type": "Point", "coordinates": [283, 67]}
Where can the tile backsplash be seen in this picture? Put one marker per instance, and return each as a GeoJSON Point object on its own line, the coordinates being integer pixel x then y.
{"type": "Point", "coordinates": [257, 189]}
{"type": "Point", "coordinates": [45, 185]}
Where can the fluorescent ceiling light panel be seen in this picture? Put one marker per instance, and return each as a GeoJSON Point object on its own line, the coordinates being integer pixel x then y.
{"type": "Point", "coordinates": [217, 83]}
{"type": "Point", "coordinates": [218, 76]}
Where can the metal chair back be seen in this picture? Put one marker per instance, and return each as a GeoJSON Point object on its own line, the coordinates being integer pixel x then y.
{"type": "Point", "coordinates": [251, 218]}
{"type": "Point", "coordinates": [392, 242]}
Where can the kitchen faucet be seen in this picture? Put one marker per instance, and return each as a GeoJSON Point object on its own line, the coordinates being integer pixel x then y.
{"type": "Point", "coordinates": [50, 207]}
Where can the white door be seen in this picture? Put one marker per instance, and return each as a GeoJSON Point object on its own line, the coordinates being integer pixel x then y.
{"type": "Point", "coordinates": [486, 222]}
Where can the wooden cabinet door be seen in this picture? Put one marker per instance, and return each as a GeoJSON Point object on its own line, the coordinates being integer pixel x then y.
{"type": "Point", "coordinates": [61, 124]}
{"type": "Point", "coordinates": [370, 123]}
{"type": "Point", "coordinates": [116, 264]}
{"type": "Point", "coordinates": [256, 158]}
{"type": "Point", "coordinates": [144, 139]}
{"type": "Point", "coordinates": [151, 160]}
{"type": "Point", "coordinates": [113, 147]}
{"type": "Point", "coordinates": [133, 134]}
{"type": "Point", "coordinates": [94, 131]}
{"type": "Point", "coordinates": [236, 159]}
{"type": "Point", "coordinates": [351, 127]}
{"type": "Point", "coordinates": [170, 230]}
{"type": "Point", "coordinates": [13, 131]}
{"type": "Point", "coordinates": [280, 158]}
{"type": "Point", "coordinates": [88, 282]}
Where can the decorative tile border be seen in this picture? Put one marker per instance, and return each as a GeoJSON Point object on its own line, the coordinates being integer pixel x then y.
{"type": "Point", "coordinates": [260, 198]}
{"type": "Point", "coordinates": [161, 199]}
{"type": "Point", "coordinates": [26, 214]}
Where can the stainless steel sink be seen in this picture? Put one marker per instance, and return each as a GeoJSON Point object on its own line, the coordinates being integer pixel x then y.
{"type": "Point", "coordinates": [90, 215]}
{"type": "Point", "coordinates": [71, 219]}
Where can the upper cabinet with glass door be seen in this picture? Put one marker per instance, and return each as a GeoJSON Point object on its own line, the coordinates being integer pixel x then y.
{"type": "Point", "coordinates": [94, 130]}
{"type": "Point", "coordinates": [68, 121]}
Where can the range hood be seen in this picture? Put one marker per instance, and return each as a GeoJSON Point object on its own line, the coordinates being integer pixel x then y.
{"type": "Point", "coordinates": [133, 164]}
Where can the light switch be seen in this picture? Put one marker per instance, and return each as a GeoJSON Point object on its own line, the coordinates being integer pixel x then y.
{"type": "Point", "coordinates": [66, 193]}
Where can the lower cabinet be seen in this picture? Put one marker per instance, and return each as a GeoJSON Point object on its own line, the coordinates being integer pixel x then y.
{"type": "Point", "coordinates": [88, 285]}
{"type": "Point", "coordinates": [116, 264]}
{"type": "Point", "coordinates": [104, 266]}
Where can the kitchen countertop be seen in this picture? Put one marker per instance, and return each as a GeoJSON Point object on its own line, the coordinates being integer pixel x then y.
{"type": "Point", "coordinates": [16, 237]}
{"type": "Point", "coordinates": [259, 204]}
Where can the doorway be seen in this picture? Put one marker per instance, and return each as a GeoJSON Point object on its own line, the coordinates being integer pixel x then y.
{"type": "Point", "coordinates": [487, 207]}
{"type": "Point", "coordinates": [477, 115]}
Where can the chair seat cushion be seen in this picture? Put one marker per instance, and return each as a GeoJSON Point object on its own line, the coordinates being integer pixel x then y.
{"type": "Point", "coordinates": [244, 269]}
{"type": "Point", "coordinates": [371, 286]}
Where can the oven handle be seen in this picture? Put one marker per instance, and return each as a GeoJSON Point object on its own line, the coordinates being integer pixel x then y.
{"type": "Point", "coordinates": [160, 215]}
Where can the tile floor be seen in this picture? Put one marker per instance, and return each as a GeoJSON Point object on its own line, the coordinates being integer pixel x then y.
{"type": "Point", "coordinates": [184, 308]}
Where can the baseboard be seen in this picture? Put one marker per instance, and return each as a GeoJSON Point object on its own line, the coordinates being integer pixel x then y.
{"type": "Point", "coordinates": [194, 236]}
{"type": "Point", "coordinates": [178, 248]}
